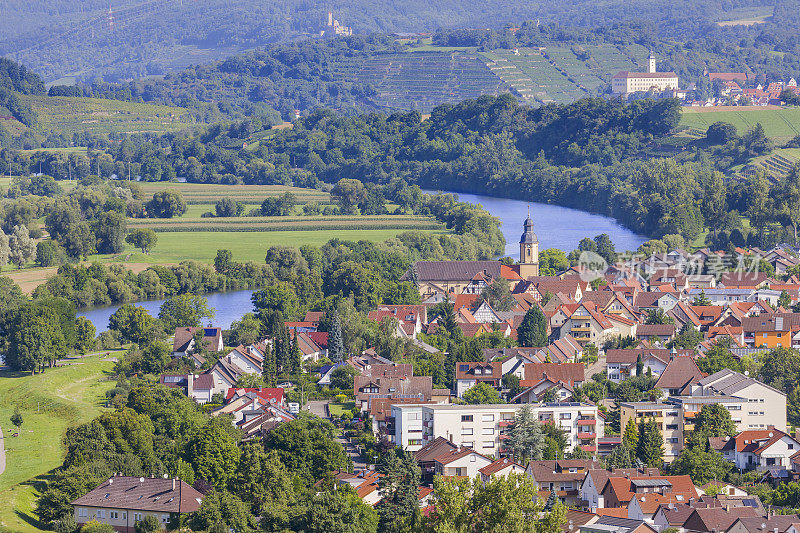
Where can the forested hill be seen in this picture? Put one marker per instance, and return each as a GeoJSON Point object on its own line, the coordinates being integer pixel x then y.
{"type": "Point", "coordinates": [139, 38]}
{"type": "Point", "coordinates": [15, 79]}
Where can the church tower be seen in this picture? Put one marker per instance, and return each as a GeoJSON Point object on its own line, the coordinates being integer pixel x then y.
{"type": "Point", "coordinates": [651, 67]}
{"type": "Point", "coordinates": [528, 251]}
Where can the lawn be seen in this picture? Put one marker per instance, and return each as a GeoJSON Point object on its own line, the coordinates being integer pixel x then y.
{"type": "Point", "coordinates": [49, 404]}
{"type": "Point", "coordinates": [781, 124]}
{"type": "Point", "coordinates": [336, 409]}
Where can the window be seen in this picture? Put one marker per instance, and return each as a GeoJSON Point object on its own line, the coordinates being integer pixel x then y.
{"type": "Point", "coordinates": [101, 513]}
{"type": "Point", "coordinates": [415, 416]}
{"type": "Point", "coordinates": [487, 418]}
{"type": "Point", "coordinates": [790, 446]}
{"type": "Point", "coordinates": [466, 418]}
{"type": "Point", "coordinates": [488, 444]}
{"type": "Point", "coordinates": [82, 511]}
{"type": "Point", "coordinates": [466, 431]}
{"type": "Point", "coordinates": [114, 515]}
{"type": "Point", "coordinates": [488, 431]}
{"type": "Point", "coordinates": [472, 458]}
{"type": "Point", "coordinates": [565, 416]}
{"type": "Point", "coordinates": [414, 442]}
{"type": "Point", "coordinates": [468, 444]}
{"type": "Point", "coordinates": [137, 517]}
{"type": "Point", "coordinates": [164, 518]}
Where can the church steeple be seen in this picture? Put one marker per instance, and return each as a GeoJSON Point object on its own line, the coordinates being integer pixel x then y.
{"type": "Point", "coordinates": [651, 66]}
{"type": "Point", "coordinates": [528, 250]}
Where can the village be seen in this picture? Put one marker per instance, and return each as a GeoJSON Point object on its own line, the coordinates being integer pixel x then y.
{"type": "Point", "coordinates": [600, 328]}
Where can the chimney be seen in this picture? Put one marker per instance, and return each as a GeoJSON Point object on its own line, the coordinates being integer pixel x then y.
{"type": "Point", "coordinates": [189, 384]}
{"type": "Point", "coordinates": [110, 480]}
{"type": "Point", "coordinates": [173, 483]}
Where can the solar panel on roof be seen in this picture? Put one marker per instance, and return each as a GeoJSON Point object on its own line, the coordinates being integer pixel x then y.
{"type": "Point", "coordinates": [651, 482]}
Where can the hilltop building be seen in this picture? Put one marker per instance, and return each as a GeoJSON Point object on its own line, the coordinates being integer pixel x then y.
{"type": "Point", "coordinates": [630, 82]}
{"type": "Point", "coordinates": [334, 29]}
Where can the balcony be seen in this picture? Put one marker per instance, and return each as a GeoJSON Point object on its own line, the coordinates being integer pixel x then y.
{"type": "Point", "coordinates": [587, 435]}
{"type": "Point", "coordinates": [586, 329]}
{"type": "Point", "coordinates": [504, 437]}
{"type": "Point", "coordinates": [505, 423]}
{"type": "Point", "coordinates": [587, 421]}
{"type": "Point", "coordinates": [588, 447]}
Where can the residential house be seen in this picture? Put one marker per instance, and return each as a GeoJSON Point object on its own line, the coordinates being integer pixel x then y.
{"type": "Point", "coordinates": [425, 456]}
{"type": "Point", "coordinates": [770, 330]}
{"type": "Point", "coordinates": [462, 462]}
{"type": "Point", "coordinates": [613, 524]}
{"type": "Point", "coordinates": [662, 332]}
{"type": "Point", "coordinates": [621, 363]}
{"type": "Point", "coordinates": [405, 387]}
{"type": "Point", "coordinates": [646, 301]}
{"type": "Point", "coordinates": [773, 524]}
{"type": "Point", "coordinates": [759, 449]}
{"type": "Point", "coordinates": [667, 416]}
{"type": "Point", "coordinates": [564, 476]}
{"type": "Point", "coordinates": [410, 318]}
{"type": "Point", "coordinates": [121, 501]}
{"type": "Point", "coordinates": [499, 468]}
{"type": "Point", "coordinates": [594, 482]}
{"type": "Point", "coordinates": [471, 373]}
{"type": "Point", "coordinates": [618, 491]}
{"type": "Point", "coordinates": [586, 324]}
{"type": "Point", "coordinates": [680, 372]}
{"type": "Point", "coordinates": [184, 343]}
{"type": "Point", "coordinates": [744, 280]}
{"type": "Point", "coordinates": [715, 519]}
{"type": "Point", "coordinates": [313, 345]}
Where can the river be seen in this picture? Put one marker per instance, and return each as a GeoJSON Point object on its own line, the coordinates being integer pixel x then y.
{"type": "Point", "coordinates": [556, 227]}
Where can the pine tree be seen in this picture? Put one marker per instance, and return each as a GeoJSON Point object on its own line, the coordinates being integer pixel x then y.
{"type": "Point", "coordinates": [630, 438]}
{"type": "Point", "coordinates": [269, 367]}
{"type": "Point", "coordinates": [533, 329]}
{"type": "Point", "coordinates": [651, 444]}
{"type": "Point", "coordinates": [552, 500]}
{"type": "Point", "coordinates": [620, 457]}
{"type": "Point", "coordinates": [527, 440]}
{"type": "Point", "coordinates": [398, 510]}
{"type": "Point", "coordinates": [295, 363]}
{"type": "Point", "coordinates": [335, 340]}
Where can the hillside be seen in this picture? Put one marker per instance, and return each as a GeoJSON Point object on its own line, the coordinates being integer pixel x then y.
{"type": "Point", "coordinates": [68, 115]}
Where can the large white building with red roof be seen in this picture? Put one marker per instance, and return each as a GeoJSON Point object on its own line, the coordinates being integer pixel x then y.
{"type": "Point", "coordinates": [631, 82]}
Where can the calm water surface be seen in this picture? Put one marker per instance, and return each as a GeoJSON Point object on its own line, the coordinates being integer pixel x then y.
{"type": "Point", "coordinates": [556, 227]}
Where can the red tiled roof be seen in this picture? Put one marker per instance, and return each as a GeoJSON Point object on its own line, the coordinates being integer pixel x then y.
{"type": "Point", "coordinates": [143, 494]}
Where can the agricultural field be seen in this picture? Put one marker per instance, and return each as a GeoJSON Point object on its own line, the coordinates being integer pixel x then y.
{"type": "Point", "coordinates": [68, 115]}
{"type": "Point", "coordinates": [206, 193]}
{"type": "Point", "coordinates": [421, 79]}
{"type": "Point", "coordinates": [780, 124]}
{"type": "Point", "coordinates": [49, 404]}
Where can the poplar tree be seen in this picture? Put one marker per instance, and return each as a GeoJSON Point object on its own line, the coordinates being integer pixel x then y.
{"type": "Point", "coordinates": [335, 340]}
{"type": "Point", "coordinates": [651, 444]}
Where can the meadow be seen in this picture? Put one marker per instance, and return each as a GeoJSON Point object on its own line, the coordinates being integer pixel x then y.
{"type": "Point", "coordinates": [49, 404]}
{"type": "Point", "coordinates": [780, 124]}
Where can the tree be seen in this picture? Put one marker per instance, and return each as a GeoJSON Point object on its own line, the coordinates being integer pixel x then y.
{"type": "Point", "coordinates": [527, 437]}
{"type": "Point", "coordinates": [786, 198]}
{"type": "Point", "coordinates": [264, 483]}
{"type": "Point", "coordinates": [781, 369]}
{"type": "Point", "coordinates": [148, 524]}
{"type": "Point", "coordinates": [279, 297]}
{"type": "Point", "coordinates": [228, 207]}
{"type": "Point", "coordinates": [348, 193]}
{"type": "Point", "coordinates": [498, 295]}
{"type": "Point", "coordinates": [85, 335]}
{"type": "Point", "coordinates": [185, 311]}
{"type": "Point", "coordinates": [134, 323]}
{"type": "Point", "coordinates": [245, 331]}
{"type": "Point", "coordinates": [620, 457]}
{"type": "Point", "coordinates": [713, 420]}
{"type": "Point", "coordinates": [48, 253]}
{"type": "Point", "coordinates": [605, 248]}
{"type": "Point", "coordinates": [789, 97]}
{"type": "Point", "coordinates": [702, 465]}
{"type": "Point", "coordinates": [223, 261]}
{"type": "Point", "coordinates": [223, 511]}
{"type": "Point", "coordinates": [16, 419]}
{"type": "Point", "coordinates": [37, 334]}
{"type": "Point", "coordinates": [482, 393]}
{"type": "Point", "coordinates": [398, 510]}
{"type": "Point", "coordinates": [658, 316]}
{"type": "Point", "coordinates": [22, 248]}
{"type": "Point", "coordinates": [701, 299]}
{"type": "Point", "coordinates": [718, 358]}
{"type": "Point", "coordinates": [213, 452]}
{"type": "Point", "coordinates": [336, 351]}
{"type": "Point", "coordinates": [533, 329]}
{"type": "Point", "coordinates": [307, 447]}
{"type": "Point", "coordinates": [166, 204]}
{"type": "Point", "coordinates": [343, 377]}
{"type": "Point", "coordinates": [143, 239]}
{"type": "Point", "coordinates": [784, 300]}
{"type": "Point", "coordinates": [340, 511]}
{"type": "Point", "coordinates": [650, 448]}
{"type": "Point", "coordinates": [155, 358]}
{"type": "Point", "coordinates": [80, 242]}
{"type": "Point", "coordinates": [109, 230]}
{"type": "Point", "coordinates": [720, 132]}
{"type": "Point", "coordinates": [630, 439]}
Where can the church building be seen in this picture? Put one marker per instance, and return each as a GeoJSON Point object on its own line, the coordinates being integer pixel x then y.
{"type": "Point", "coordinates": [528, 251]}
{"type": "Point", "coordinates": [631, 82]}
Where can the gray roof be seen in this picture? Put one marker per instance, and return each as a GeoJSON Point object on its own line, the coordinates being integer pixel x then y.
{"type": "Point", "coordinates": [729, 382]}
{"type": "Point", "coordinates": [651, 482]}
{"type": "Point", "coordinates": [528, 236]}
{"type": "Point", "coordinates": [454, 270]}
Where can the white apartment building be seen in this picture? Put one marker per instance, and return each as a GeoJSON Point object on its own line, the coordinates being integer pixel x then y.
{"type": "Point", "coordinates": [484, 428]}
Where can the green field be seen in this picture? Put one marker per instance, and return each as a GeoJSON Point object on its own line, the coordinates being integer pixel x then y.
{"type": "Point", "coordinates": [176, 246]}
{"type": "Point", "coordinates": [205, 193]}
{"type": "Point", "coordinates": [779, 124]}
{"type": "Point", "coordinates": [68, 115]}
{"type": "Point", "coordinates": [49, 403]}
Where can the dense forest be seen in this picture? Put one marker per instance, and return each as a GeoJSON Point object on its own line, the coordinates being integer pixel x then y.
{"type": "Point", "coordinates": [56, 37]}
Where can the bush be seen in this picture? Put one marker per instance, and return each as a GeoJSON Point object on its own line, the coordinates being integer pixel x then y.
{"type": "Point", "coordinates": [109, 340]}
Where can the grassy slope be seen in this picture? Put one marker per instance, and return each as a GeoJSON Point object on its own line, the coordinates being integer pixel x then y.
{"type": "Point", "coordinates": [779, 124]}
{"type": "Point", "coordinates": [65, 396]}
{"type": "Point", "coordinates": [65, 114]}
